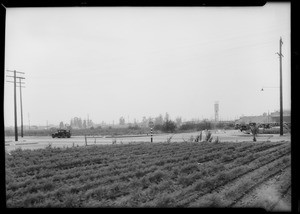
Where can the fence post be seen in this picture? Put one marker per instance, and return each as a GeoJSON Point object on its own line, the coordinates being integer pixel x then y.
{"type": "Point", "coordinates": [85, 140]}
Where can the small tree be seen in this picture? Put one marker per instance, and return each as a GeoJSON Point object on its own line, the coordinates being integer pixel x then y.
{"type": "Point", "coordinates": [208, 136]}
{"type": "Point", "coordinates": [122, 121]}
{"type": "Point", "coordinates": [61, 125]}
{"type": "Point", "coordinates": [254, 131]}
{"type": "Point", "coordinates": [199, 137]}
{"type": "Point", "coordinates": [84, 124]}
{"type": "Point", "coordinates": [169, 126]}
{"type": "Point", "coordinates": [169, 139]}
{"type": "Point", "coordinates": [167, 117]}
{"type": "Point", "coordinates": [178, 121]}
{"type": "Point", "coordinates": [159, 120]}
{"type": "Point", "coordinates": [158, 127]}
{"type": "Point", "coordinates": [192, 138]}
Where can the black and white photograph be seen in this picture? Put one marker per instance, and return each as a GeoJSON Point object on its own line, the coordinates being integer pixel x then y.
{"type": "Point", "coordinates": [148, 107]}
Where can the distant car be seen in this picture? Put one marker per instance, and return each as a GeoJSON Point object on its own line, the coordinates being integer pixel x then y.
{"type": "Point", "coordinates": [243, 128]}
{"type": "Point", "coordinates": [62, 133]}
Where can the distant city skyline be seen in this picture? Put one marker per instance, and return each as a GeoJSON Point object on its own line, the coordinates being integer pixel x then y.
{"type": "Point", "coordinates": [139, 120]}
{"type": "Point", "coordinates": [110, 62]}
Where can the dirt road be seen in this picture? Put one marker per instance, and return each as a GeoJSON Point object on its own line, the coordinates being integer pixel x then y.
{"type": "Point", "coordinates": [36, 142]}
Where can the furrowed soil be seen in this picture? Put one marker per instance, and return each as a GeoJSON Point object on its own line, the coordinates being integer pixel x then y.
{"type": "Point", "coordinates": [245, 174]}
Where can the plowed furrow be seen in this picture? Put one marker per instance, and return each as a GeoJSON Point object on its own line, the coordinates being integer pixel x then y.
{"type": "Point", "coordinates": [257, 184]}
{"type": "Point", "coordinates": [222, 185]}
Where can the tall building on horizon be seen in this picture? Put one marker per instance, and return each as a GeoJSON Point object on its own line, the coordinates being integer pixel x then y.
{"type": "Point", "coordinates": [217, 111]}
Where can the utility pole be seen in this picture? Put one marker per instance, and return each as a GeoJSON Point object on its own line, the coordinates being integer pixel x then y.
{"type": "Point", "coordinates": [22, 134]}
{"type": "Point", "coordinates": [15, 100]}
{"type": "Point", "coordinates": [280, 69]}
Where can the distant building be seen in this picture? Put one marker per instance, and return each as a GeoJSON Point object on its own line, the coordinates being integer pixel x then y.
{"type": "Point", "coordinates": [286, 116]}
{"type": "Point", "coordinates": [265, 118]}
{"type": "Point", "coordinates": [254, 119]}
{"type": "Point", "coordinates": [216, 111]}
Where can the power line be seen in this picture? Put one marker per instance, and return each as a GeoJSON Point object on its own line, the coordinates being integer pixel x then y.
{"type": "Point", "coordinates": [15, 99]}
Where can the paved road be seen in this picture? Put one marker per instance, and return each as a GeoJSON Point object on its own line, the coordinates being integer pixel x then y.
{"type": "Point", "coordinates": [224, 136]}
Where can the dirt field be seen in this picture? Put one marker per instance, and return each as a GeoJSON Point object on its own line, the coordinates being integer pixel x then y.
{"type": "Point", "coordinates": [223, 136]}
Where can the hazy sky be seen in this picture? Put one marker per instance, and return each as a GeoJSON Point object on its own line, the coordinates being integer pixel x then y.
{"type": "Point", "coordinates": [110, 62]}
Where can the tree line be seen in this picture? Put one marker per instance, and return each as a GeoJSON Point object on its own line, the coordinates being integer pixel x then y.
{"type": "Point", "coordinates": [167, 126]}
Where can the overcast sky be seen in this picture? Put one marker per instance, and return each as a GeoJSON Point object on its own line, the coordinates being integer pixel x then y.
{"type": "Point", "coordinates": [110, 62]}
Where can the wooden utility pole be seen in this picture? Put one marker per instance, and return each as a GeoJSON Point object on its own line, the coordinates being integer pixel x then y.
{"type": "Point", "coordinates": [280, 72]}
{"type": "Point", "coordinates": [22, 134]}
{"type": "Point", "coordinates": [15, 101]}
{"type": "Point", "coordinates": [15, 106]}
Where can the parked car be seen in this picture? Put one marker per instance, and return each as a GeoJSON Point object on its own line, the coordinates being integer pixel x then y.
{"type": "Point", "coordinates": [62, 133]}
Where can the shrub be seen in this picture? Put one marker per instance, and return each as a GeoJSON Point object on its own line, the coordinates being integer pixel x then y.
{"type": "Point", "coordinates": [158, 127]}
{"type": "Point", "coordinates": [200, 137]}
{"type": "Point", "coordinates": [208, 136]}
{"type": "Point", "coordinates": [273, 131]}
{"type": "Point", "coordinates": [187, 126]}
{"type": "Point", "coordinates": [169, 139]}
{"type": "Point", "coordinates": [191, 139]}
{"type": "Point", "coordinates": [169, 126]}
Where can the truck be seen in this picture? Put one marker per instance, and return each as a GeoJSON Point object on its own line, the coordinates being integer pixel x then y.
{"type": "Point", "coordinates": [62, 133]}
